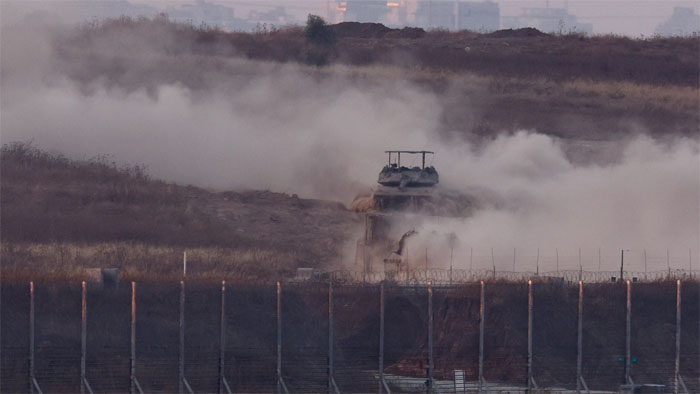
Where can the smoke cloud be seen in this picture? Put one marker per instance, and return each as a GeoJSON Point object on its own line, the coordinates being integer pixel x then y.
{"type": "Point", "coordinates": [646, 202]}
{"type": "Point", "coordinates": [219, 121]}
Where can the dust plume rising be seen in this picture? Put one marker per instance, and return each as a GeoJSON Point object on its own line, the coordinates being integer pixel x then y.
{"type": "Point", "coordinates": [193, 113]}
{"type": "Point", "coordinates": [141, 96]}
{"type": "Point", "coordinates": [534, 198]}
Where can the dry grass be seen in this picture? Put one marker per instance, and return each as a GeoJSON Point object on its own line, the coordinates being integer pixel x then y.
{"type": "Point", "coordinates": [504, 54]}
{"type": "Point", "coordinates": [507, 103]}
{"type": "Point", "coordinates": [672, 97]}
{"type": "Point", "coordinates": [97, 208]}
{"type": "Point", "coordinates": [564, 85]}
{"type": "Point", "coordinates": [22, 262]}
{"type": "Point", "coordinates": [683, 98]}
{"type": "Point", "coordinates": [60, 216]}
{"type": "Point", "coordinates": [50, 198]}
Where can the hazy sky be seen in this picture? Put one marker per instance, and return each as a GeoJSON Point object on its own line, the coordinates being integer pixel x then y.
{"type": "Point", "coordinates": [630, 17]}
{"type": "Point", "coordinates": [625, 17]}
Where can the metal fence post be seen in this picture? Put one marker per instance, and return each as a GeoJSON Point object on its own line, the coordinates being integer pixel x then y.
{"type": "Point", "coordinates": [678, 337]}
{"type": "Point", "coordinates": [529, 335]}
{"type": "Point", "coordinates": [31, 337]}
{"type": "Point", "coordinates": [181, 379]}
{"type": "Point", "coordinates": [330, 337]}
{"type": "Point", "coordinates": [279, 338]}
{"type": "Point", "coordinates": [471, 261]}
{"type": "Point", "coordinates": [222, 337]}
{"type": "Point", "coordinates": [580, 265]}
{"type": "Point", "coordinates": [579, 352]}
{"type": "Point", "coordinates": [132, 388]}
{"type": "Point", "coordinates": [481, 336]}
{"type": "Point", "coordinates": [430, 337]}
{"type": "Point", "coordinates": [628, 340]}
{"type": "Point", "coordinates": [83, 338]}
{"type": "Point", "coordinates": [381, 338]}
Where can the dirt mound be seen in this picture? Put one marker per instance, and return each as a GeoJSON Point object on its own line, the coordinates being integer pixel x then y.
{"type": "Point", "coordinates": [359, 30]}
{"type": "Point", "coordinates": [523, 32]}
{"type": "Point", "coordinates": [146, 211]}
{"type": "Point", "coordinates": [373, 30]}
{"type": "Point", "coordinates": [406, 32]}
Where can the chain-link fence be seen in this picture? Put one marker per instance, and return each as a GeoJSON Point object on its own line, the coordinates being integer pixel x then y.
{"type": "Point", "coordinates": [495, 336]}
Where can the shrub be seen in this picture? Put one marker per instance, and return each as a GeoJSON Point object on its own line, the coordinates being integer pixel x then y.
{"type": "Point", "coordinates": [316, 57]}
{"type": "Point", "coordinates": [317, 32]}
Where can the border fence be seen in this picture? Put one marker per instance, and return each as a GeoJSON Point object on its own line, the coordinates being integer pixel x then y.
{"type": "Point", "coordinates": [526, 336]}
{"type": "Point", "coordinates": [439, 276]}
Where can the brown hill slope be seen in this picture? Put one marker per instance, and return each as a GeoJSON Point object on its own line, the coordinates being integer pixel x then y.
{"type": "Point", "coordinates": [60, 215]}
{"type": "Point", "coordinates": [600, 87]}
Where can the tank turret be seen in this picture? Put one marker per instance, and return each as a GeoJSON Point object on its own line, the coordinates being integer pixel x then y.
{"type": "Point", "coordinates": [404, 188]}
{"type": "Point", "coordinates": [396, 175]}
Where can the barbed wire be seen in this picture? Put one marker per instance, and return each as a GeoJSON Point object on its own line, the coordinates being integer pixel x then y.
{"type": "Point", "coordinates": [461, 276]}
{"type": "Point", "coordinates": [249, 352]}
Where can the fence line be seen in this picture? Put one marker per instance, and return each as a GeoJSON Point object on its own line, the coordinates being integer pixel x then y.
{"type": "Point", "coordinates": [385, 382]}
{"type": "Point", "coordinates": [448, 277]}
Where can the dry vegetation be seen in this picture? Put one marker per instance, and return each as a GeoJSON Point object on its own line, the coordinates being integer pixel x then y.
{"type": "Point", "coordinates": [566, 85]}
{"type": "Point", "coordinates": [523, 53]}
{"type": "Point", "coordinates": [60, 216]}
{"type": "Point", "coordinates": [62, 261]}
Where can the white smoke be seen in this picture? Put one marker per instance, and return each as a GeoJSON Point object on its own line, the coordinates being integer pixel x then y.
{"type": "Point", "coordinates": [647, 201]}
{"type": "Point", "coordinates": [227, 123]}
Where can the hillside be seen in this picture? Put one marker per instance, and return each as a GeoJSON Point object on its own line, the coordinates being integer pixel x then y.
{"type": "Point", "coordinates": [590, 92]}
{"type": "Point", "coordinates": [523, 53]}
{"type": "Point", "coordinates": [569, 85]}
{"type": "Point", "coordinates": [283, 110]}
{"type": "Point", "coordinates": [95, 213]}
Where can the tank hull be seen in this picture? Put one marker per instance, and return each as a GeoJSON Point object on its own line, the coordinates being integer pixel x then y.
{"type": "Point", "coordinates": [409, 199]}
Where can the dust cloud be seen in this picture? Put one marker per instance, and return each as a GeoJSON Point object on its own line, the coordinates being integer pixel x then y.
{"type": "Point", "coordinates": [646, 202]}
{"type": "Point", "coordinates": [216, 120]}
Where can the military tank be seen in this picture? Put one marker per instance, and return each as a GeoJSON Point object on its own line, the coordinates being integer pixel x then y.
{"type": "Point", "coordinates": [404, 197]}
{"type": "Point", "coordinates": [412, 189]}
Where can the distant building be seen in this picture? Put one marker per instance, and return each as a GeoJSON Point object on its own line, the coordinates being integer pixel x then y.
{"type": "Point", "coordinates": [683, 22]}
{"type": "Point", "coordinates": [437, 14]}
{"type": "Point", "coordinates": [94, 10]}
{"type": "Point", "coordinates": [365, 10]}
{"type": "Point", "coordinates": [202, 12]}
{"type": "Point", "coordinates": [481, 17]}
{"type": "Point", "coordinates": [548, 20]}
{"type": "Point", "coordinates": [458, 15]}
{"type": "Point", "coordinates": [444, 14]}
{"type": "Point", "coordinates": [274, 16]}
